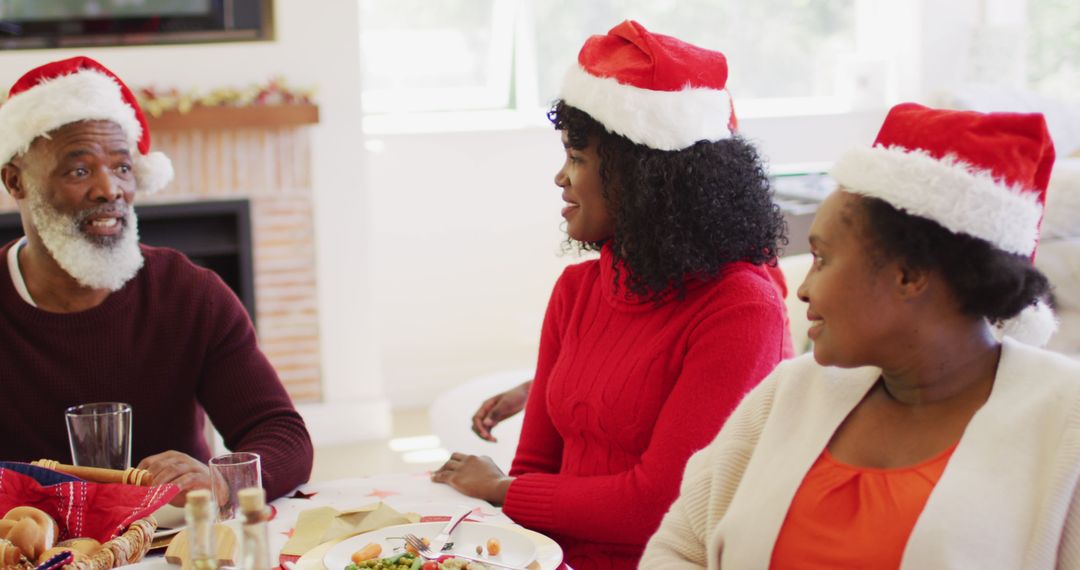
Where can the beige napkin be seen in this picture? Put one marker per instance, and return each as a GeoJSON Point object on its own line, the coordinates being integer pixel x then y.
{"type": "Point", "coordinates": [323, 524]}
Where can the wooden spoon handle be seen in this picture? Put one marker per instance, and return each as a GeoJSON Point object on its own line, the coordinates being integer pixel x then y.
{"type": "Point", "coordinates": [129, 476]}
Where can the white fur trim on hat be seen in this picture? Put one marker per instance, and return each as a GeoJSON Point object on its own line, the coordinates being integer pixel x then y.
{"type": "Point", "coordinates": [1034, 325]}
{"type": "Point", "coordinates": [664, 120]}
{"type": "Point", "coordinates": [153, 172]}
{"type": "Point", "coordinates": [948, 191]}
{"type": "Point", "coordinates": [84, 96]}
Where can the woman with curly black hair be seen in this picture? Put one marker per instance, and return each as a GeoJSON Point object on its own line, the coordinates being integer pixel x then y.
{"type": "Point", "coordinates": [645, 351]}
{"type": "Point", "coordinates": [913, 437]}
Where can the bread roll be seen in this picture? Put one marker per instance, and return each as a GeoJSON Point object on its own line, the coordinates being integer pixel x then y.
{"type": "Point", "coordinates": [9, 554]}
{"type": "Point", "coordinates": [78, 556]}
{"type": "Point", "coordinates": [26, 536]}
{"type": "Point", "coordinates": [34, 531]}
{"type": "Point", "coordinates": [86, 546]}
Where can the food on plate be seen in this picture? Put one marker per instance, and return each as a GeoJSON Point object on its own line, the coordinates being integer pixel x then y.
{"type": "Point", "coordinates": [369, 551]}
{"type": "Point", "coordinates": [30, 530]}
{"type": "Point", "coordinates": [460, 564]}
{"type": "Point", "coordinates": [409, 548]}
{"type": "Point", "coordinates": [407, 561]}
{"type": "Point", "coordinates": [494, 546]}
{"type": "Point", "coordinates": [403, 561]}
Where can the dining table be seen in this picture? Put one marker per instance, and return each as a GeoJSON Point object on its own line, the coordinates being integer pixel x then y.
{"type": "Point", "coordinates": [405, 493]}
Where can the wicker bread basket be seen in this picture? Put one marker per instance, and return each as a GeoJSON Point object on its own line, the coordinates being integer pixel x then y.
{"type": "Point", "coordinates": [127, 548]}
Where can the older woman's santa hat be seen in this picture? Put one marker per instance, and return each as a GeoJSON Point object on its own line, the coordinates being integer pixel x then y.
{"type": "Point", "coordinates": [980, 174]}
{"type": "Point", "coordinates": [655, 90]}
{"type": "Point", "coordinates": [73, 90]}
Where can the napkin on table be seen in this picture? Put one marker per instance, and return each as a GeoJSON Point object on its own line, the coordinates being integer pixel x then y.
{"type": "Point", "coordinates": [323, 524]}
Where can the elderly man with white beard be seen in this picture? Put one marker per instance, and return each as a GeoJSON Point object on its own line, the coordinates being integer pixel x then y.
{"type": "Point", "coordinates": [87, 314]}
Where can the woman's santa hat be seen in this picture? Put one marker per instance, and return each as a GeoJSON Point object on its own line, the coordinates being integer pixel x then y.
{"type": "Point", "coordinates": [655, 90]}
{"type": "Point", "coordinates": [73, 90]}
{"type": "Point", "coordinates": [980, 174]}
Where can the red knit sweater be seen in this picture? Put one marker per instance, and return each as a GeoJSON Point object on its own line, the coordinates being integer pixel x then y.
{"type": "Point", "coordinates": [173, 341]}
{"type": "Point", "coordinates": [625, 392]}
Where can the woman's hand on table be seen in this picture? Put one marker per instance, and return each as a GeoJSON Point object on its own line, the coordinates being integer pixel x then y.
{"type": "Point", "coordinates": [475, 476]}
{"type": "Point", "coordinates": [499, 407]}
{"type": "Point", "coordinates": [181, 470]}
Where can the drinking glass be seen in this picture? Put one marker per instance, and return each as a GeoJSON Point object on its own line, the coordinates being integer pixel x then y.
{"type": "Point", "coordinates": [229, 473]}
{"type": "Point", "coordinates": [100, 434]}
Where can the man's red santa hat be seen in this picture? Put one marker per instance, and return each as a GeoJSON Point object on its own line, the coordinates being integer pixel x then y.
{"type": "Point", "coordinates": [72, 90]}
{"type": "Point", "coordinates": [980, 174]}
{"type": "Point", "coordinates": [655, 90]}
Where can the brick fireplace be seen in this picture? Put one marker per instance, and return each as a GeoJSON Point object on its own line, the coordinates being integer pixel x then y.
{"type": "Point", "coordinates": [261, 156]}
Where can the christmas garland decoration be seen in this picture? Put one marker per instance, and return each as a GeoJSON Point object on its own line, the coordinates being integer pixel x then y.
{"type": "Point", "coordinates": [156, 102]}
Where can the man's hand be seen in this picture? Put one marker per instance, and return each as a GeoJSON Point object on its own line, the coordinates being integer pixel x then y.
{"type": "Point", "coordinates": [475, 476]}
{"type": "Point", "coordinates": [179, 469]}
{"type": "Point", "coordinates": [499, 407]}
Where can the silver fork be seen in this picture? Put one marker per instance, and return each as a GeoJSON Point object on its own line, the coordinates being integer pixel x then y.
{"type": "Point", "coordinates": [427, 553]}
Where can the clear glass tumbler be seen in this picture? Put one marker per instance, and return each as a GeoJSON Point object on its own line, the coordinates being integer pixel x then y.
{"type": "Point", "coordinates": [100, 434]}
{"type": "Point", "coordinates": [229, 473]}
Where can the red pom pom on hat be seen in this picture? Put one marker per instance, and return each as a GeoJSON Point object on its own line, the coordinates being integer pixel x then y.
{"type": "Point", "coordinates": [653, 89]}
{"type": "Point", "coordinates": [72, 90]}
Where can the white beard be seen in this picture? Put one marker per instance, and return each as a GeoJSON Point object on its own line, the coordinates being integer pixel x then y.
{"type": "Point", "coordinates": [102, 263]}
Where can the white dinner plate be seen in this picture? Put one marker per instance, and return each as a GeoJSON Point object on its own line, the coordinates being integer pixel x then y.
{"type": "Point", "coordinates": [517, 548]}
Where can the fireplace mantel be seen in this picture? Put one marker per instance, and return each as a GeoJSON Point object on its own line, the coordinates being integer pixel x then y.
{"type": "Point", "coordinates": [228, 118]}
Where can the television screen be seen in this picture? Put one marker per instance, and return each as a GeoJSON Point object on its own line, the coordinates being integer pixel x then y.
{"type": "Point", "coordinates": [38, 10]}
{"type": "Point", "coordinates": [69, 23]}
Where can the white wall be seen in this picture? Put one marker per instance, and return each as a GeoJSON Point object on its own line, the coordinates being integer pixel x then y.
{"type": "Point", "coordinates": [314, 46]}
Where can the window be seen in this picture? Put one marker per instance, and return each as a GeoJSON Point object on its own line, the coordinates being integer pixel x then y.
{"type": "Point", "coordinates": [1053, 64]}
{"type": "Point", "coordinates": [776, 48]}
{"type": "Point", "coordinates": [420, 55]}
{"type": "Point", "coordinates": [450, 55]}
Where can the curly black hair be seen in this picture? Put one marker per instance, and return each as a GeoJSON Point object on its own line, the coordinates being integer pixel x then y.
{"type": "Point", "coordinates": [678, 214]}
{"type": "Point", "coordinates": [987, 281]}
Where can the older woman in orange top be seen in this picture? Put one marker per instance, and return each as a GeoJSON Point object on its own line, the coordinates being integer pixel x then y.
{"type": "Point", "coordinates": [913, 437]}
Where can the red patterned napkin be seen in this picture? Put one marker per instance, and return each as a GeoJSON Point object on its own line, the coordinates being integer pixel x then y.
{"type": "Point", "coordinates": [82, 509]}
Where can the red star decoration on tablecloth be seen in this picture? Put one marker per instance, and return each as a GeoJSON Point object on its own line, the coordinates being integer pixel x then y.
{"type": "Point", "coordinates": [302, 495]}
{"type": "Point", "coordinates": [382, 494]}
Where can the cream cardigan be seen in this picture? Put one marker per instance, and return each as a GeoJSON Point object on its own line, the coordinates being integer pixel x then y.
{"type": "Point", "coordinates": [1007, 498]}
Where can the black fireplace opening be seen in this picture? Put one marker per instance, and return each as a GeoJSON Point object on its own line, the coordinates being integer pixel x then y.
{"type": "Point", "coordinates": [215, 234]}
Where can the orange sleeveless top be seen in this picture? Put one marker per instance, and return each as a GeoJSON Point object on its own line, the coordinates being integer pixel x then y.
{"type": "Point", "coordinates": [854, 517]}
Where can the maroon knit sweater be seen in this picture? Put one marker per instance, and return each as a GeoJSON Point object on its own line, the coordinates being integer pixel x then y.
{"type": "Point", "coordinates": [625, 392]}
{"type": "Point", "coordinates": [172, 342]}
